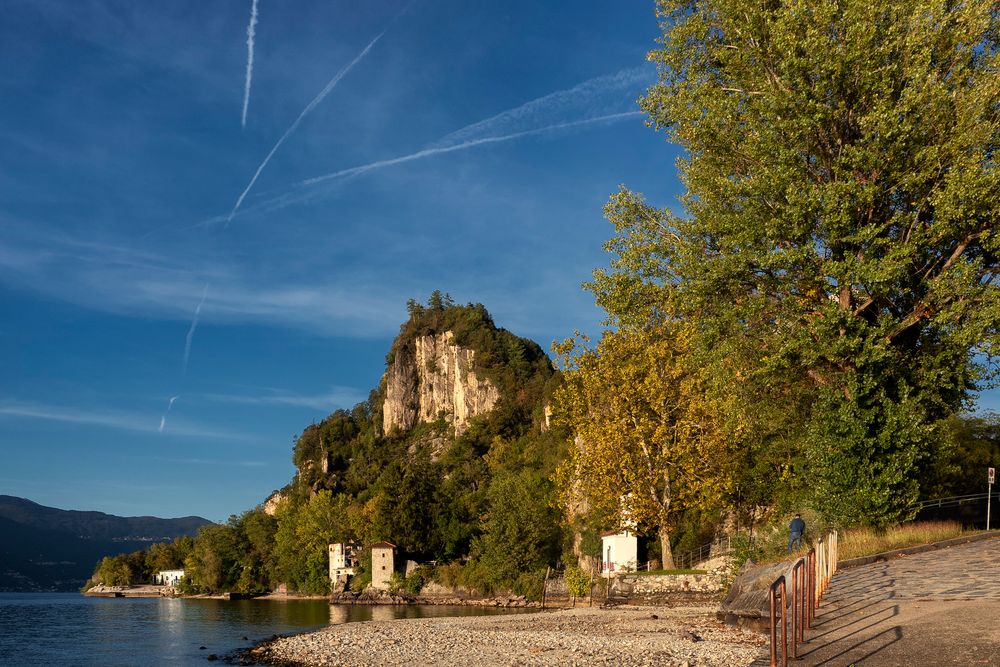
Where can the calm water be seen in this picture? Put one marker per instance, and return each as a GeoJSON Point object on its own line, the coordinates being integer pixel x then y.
{"type": "Point", "coordinates": [69, 629]}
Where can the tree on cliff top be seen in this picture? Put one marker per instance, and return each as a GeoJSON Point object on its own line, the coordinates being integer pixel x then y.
{"type": "Point", "coordinates": [841, 206]}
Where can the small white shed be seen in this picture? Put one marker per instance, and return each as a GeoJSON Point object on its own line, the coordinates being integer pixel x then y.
{"type": "Point", "coordinates": [619, 553]}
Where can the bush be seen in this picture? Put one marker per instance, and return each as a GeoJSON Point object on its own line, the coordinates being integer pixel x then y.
{"type": "Point", "coordinates": [447, 574]}
{"type": "Point", "coordinates": [577, 582]}
{"type": "Point", "coordinates": [415, 583]}
{"type": "Point", "coordinates": [744, 549]}
{"type": "Point", "coordinates": [396, 582]}
{"type": "Point", "coordinates": [361, 579]}
{"type": "Point", "coordinates": [529, 584]}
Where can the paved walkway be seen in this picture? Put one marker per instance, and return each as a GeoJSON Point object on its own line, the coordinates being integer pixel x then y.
{"type": "Point", "coordinates": [940, 607]}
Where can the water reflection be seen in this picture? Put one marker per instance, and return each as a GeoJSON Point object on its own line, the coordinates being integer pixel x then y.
{"type": "Point", "coordinates": [68, 629]}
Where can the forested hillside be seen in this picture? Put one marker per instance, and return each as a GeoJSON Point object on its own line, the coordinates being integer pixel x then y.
{"type": "Point", "coordinates": [475, 495]}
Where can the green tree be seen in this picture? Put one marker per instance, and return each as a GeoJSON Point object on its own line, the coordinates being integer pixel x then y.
{"type": "Point", "coordinates": [114, 571]}
{"type": "Point", "coordinates": [302, 537]}
{"type": "Point", "coordinates": [521, 530]}
{"type": "Point", "coordinates": [972, 446]}
{"type": "Point", "coordinates": [214, 563]}
{"type": "Point", "coordinates": [839, 225]}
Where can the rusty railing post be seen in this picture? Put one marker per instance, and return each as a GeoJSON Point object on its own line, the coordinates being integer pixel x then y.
{"type": "Point", "coordinates": [811, 587]}
{"type": "Point", "coordinates": [811, 575]}
{"type": "Point", "coordinates": [779, 583]}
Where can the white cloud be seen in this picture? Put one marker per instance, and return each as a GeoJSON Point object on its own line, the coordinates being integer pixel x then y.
{"type": "Point", "coordinates": [336, 397]}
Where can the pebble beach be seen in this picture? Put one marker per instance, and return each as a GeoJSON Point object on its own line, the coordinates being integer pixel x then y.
{"type": "Point", "coordinates": [620, 636]}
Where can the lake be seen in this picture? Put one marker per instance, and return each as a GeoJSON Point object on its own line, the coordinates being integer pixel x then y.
{"type": "Point", "coordinates": [69, 629]}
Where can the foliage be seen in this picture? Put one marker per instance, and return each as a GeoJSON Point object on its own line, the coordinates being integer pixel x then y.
{"type": "Point", "coordinates": [415, 582]}
{"type": "Point", "coordinates": [302, 537]}
{"type": "Point", "coordinates": [577, 582]}
{"type": "Point", "coordinates": [521, 532]}
{"type": "Point", "coordinates": [970, 444]}
{"type": "Point", "coordinates": [362, 573]}
{"type": "Point", "coordinates": [838, 248]}
{"type": "Point", "coordinates": [743, 550]}
{"type": "Point", "coordinates": [649, 445]}
{"type": "Point", "coordinates": [138, 567]}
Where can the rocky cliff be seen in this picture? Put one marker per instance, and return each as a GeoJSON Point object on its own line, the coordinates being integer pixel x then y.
{"type": "Point", "coordinates": [435, 377]}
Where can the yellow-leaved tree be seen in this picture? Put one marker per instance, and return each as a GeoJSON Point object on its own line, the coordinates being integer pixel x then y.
{"type": "Point", "coordinates": [648, 443]}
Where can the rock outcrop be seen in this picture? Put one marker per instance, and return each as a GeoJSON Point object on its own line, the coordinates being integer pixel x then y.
{"type": "Point", "coordinates": [435, 377]}
{"type": "Point", "coordinates": [273, 501]}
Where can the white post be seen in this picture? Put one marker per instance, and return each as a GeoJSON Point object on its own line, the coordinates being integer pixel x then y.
{"type": "Point", "coordinates": [989, 503]}
{"type": "Point", "coordinates": [989, 494]}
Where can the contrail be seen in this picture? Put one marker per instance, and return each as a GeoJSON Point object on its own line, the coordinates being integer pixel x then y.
{"type": "Point", "coordinates": [194, 325]}
{"type": "Point", "coordinates": [600, 95]}
{"type": "Point", "coordinates": [428, 152]}
{"type": "Point", "coordinates": [291, 128]}
{"type": "Point", "coordinates": [251, 32]}
{"type": "Point", "coordinates": [163, 419]}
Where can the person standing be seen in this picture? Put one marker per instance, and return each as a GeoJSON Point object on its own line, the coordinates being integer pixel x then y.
{"type": "Point", "coordinates": [795, 531]}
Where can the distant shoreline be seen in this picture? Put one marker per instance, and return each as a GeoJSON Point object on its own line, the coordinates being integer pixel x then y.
{"type": "Point", "coordinates": [367, 598]}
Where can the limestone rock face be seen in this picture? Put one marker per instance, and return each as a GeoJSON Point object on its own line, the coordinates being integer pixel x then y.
{"type": "Point", "coordinates": [433, 377]}
{"type": "Point", "coordinates": [272, 502]}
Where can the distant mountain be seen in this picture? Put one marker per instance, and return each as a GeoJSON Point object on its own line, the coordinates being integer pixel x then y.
{"type": "Point", "coordinates": [48, 549]}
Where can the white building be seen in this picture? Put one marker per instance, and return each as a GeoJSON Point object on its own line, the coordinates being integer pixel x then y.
{"type": "Point", "coordinates": [168, 577]}
{"type": "Point", "coordinates": [342, 562]}
{"type": "Point", "coordinates": [619, 553]}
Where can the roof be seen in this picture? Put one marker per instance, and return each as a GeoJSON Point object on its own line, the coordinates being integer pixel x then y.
{"type": "Point", "coordinates": [614, 533]}
{"type": "Point", "coordinates": [383, 545]}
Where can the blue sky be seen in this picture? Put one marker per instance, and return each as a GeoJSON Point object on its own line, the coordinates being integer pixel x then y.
{"type": "Point", "coordinates": [467, 147]}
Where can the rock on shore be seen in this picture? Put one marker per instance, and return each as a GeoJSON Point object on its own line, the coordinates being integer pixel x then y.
{"type": "Point", "coordinates": [586, 636]}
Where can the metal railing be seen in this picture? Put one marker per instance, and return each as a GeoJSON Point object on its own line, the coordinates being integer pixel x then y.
{"type": "Point", "coordinates": [951, 501]}
{"type": "Point", "coordinates": [810, 576]}
{"type": "Point", "coordinates": [689, 559]}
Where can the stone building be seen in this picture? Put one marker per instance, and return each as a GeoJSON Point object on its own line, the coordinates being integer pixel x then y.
{"type": "Point", "coordinates": [383, 564]}
{"type": "Point", "coordinates": [342, 562]}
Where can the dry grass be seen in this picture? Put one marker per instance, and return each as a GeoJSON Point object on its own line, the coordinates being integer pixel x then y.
{"type": "Point", "coordinates": [857, 542]}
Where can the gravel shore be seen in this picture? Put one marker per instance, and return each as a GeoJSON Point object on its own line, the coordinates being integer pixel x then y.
{"type": "Point", "coordinates": [585, 636]}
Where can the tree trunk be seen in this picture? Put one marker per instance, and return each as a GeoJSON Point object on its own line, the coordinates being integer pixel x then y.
{"type": "Point", "coordinates": [666, 555]}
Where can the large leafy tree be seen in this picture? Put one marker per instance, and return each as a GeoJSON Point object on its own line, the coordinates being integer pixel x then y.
{"type": "Point", "coordinates": [649, 445]}
{"type": "Point", "coordinates": [839, 228]}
